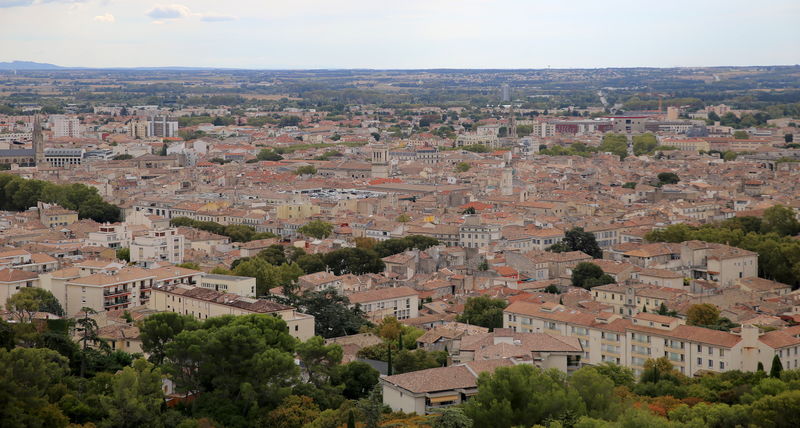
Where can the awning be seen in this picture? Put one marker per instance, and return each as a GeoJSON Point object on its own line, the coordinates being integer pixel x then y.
{"type": "Point", "coordinates": [444, 398]}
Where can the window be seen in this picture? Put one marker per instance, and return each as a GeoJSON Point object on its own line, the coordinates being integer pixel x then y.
{"type": "Point", "coordinates": [710, 364]}
{"type": "Point", "coordinates": [722, 365]}
{"type": "Point", "coordinates": [699, 361]}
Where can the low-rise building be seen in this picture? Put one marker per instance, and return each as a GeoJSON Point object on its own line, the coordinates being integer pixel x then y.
{"type": "Point", "coordinates": [399, 302]}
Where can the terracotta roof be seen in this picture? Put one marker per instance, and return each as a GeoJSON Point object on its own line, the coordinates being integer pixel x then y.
{"type": "Point", "coordinates": [445, 378]}
{"type": "Point", "coordinates": [15, 275]}
{"type": "Point", "coordinates": [382, 294]}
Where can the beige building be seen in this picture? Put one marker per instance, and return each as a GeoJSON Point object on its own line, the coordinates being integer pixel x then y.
{"type": "Point", "coordinates": [399, 302]}
{"type": "Point", "coordinates": [244, 286]}
{"type": "Point", "coordinates": [13, 280]}
{"type": "Point", "coordinates": [203, 303]}
{"type": "Point", "coordinates": [55, 216]}
{"type": "Point", "coordinates": [106, 290]}
{"type": "Point", "coordinates": [609, 338]}
{"type": "Point", "coordinates": [296, 210]}
{"type": "Point", "coordinates": [475, 234]}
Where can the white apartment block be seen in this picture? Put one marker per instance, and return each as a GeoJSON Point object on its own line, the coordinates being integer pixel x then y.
{"type": "Point", "coordinates": [607, 337]}
{"type": "Point", "coordinates": [158, 246]}
{"type": "Point", "coordinates": [475, 234]}
{"type": "Point", "coordinates": [110, 236]}
{"type": "Point", "coordinates": [65, 126]}
{"type": "Point", "coordinates": [399, 302]}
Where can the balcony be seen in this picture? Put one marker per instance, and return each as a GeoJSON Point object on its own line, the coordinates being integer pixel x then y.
{"type": "Point", "coordinates": [116, 302]}
{"type": "Point", "coordinates": [112, 293]}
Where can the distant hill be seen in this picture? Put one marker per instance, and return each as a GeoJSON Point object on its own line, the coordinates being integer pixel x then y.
{"type": "Point", "coordinates": [27, 65]}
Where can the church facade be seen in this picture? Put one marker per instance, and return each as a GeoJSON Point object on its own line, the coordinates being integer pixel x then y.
{"type": "Point", "coordinates": [26, 157]}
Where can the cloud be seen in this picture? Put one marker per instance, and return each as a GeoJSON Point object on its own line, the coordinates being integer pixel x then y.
{"type": "Point", "coordinates": [213, 17]}
{"type": "Point", "coordinates": [105, 18]}
{"type": "Point", "coordinates": [170, 11]}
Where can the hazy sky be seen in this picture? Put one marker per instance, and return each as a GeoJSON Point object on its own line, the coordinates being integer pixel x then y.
{"type": "Point", "coordinates": [401, 33]}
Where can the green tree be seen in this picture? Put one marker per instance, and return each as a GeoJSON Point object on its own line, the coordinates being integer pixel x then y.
{"type": "Point", "coordinates": [403, 218]}
{"type": "Point", "coordinates": [522, 395]}
{"type": "Point", "coordinates": [629, 185]}
{"type": "Point", "coordinates": [668, 178]}
{"type": "Point", "coordinates": [317, 229]}
{"type": "Point", "coordinates": [319, 359]}
{"type": "Point", "coordinates": [778, 411]}
{"type": "Point", "coordinates": [620, 375]}
{"type": "Point", "coordinates": [776, 368]}
{"type": "Point", "coordinates": [311, 263]}
{"type": "Point", "coordinates": [644, 144]}
{"type": "Point", "coordinates": [24, 304]}
{"type": "Point", "coordinates": [124, 254]}
{"type": "Point", "coordinates": [450, 417]}
{"type": "Point", "coordinates": [357, 261]}
{"type": "Point", "coordinates": [741, 135]}
{"type": "Point", "coordinates": [332, 313]}
{"type": "Point", "coordinates": [294, 412]}
{"type": "Point", "coordinates": [781, 220]}
{"type": "Point", "coordinates": [157, 330]}
{"type": "Point", "coordinates": [357, 377]}
{"type": "Point", "coordinates": [30, 380]}
{"type": "Point", "coordinates": [483, 311]}
{"type": "Point", "coordinates": [306, 170]}
{"type": "Point", "coordinates": [268, 155]}
{"type": "Point", "coordinates": [593, 388]}
{"type": "Point", "coordinates": [371, 408]}
{"type": "Point", "coordinates": [136, 398]}
{"type": "Point", "coordinates": [462, 167]}
{"type": "Point", "coordinates": [702, 314]}
{"type": "Point", "coordinates": [576, 239]}
{"type": "Point", "coordinates": [616, 144]}
{"type": "Point", "coordinates": [588, 275]}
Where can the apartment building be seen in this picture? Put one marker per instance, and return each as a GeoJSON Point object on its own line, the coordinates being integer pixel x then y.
{"type": "Point", "coordinates": [64, 126]}
{"type": "Point", "coordinates": [244, 286]}
{"type": "Point", "coordinates": [106, 290]}
{"type": "Point", "coordinates": [158, 246]}
{"type": "Point", "coordinates": [203, 303]}
{"type": "Point", "coordinates": [475, 234]}
{"type": "Point", "coordinates": [629, 300]}
{"type": "Point", "coordinates": [110, 236]}
{"type": "Point", "coordinates": [19, 259]}
{"type": "Point", "coordinates": [320, 281]}
{"type": "Point", "coordinates": [608, 338]}
{"type": "Point", "coordinates": [399, 302]}
{"type": "Point", "coordinates": [13, 280]}
{"type": "Point", "coordinates": [53, 216]}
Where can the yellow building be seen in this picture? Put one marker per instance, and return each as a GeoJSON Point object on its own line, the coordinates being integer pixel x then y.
{"type": "Point", "coordinates": [204, 303]}
{"type": "Point", "coordinates": [301, 210]}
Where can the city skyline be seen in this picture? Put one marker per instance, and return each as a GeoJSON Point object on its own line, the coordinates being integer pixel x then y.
{"type": "Point", "coordinates": [415, 35]}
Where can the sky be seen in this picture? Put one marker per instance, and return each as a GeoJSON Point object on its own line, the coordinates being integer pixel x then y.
{"type": "Point", "coordinates": [401, 34]}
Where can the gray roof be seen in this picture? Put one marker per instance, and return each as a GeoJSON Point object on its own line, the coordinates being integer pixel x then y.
{"type": "Point", "coordinates": [17, 152]}
{"type": "Point", "coordinates": [224, 277]}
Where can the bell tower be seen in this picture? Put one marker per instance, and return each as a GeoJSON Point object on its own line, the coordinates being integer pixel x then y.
{"type": "Point", "coordinates": [38, 141]}
{"type": "Point", "coordinates": [380, 161]}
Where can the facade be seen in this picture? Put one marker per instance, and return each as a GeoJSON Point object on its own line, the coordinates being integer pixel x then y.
{"type": "Point", "coordinates": [106, 290]}
{"type": "Point", "coordinates": [63, 157]}
{"type": "Point", "coordinates": [244, 286]}
{"type": "Point", "coordinates": [162, 126]}
{"type": "Point", "coordinates": [475, 234]}
{"type": "Point", "coordinates": [158, 246]}
{"type": "Point", "coordinates": [399, 302]}
{"type": "Point", "coordinates": [65, 126]}
{"type": "Point", "coordinates": [13, 280]}
{"type": "Point", "coordinates": [203, 303]}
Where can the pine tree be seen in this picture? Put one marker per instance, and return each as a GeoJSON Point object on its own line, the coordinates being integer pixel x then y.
{"type": "Point", "coordinates": [760, 367]}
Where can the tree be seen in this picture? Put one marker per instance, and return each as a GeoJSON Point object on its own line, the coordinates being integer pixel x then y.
{"type": "Point", "coordinates": [268, 155]}
{"type": "Point", "coordinates": [788, 138]}
{"type": "Point", "coordinates": [27, 301]}
{"type": "Point", "coordinates": [30, 380]}
{"type": "Point", "coordinates": [629, 185]}
{"type": "Point", "coordinates": [576, 239]}
{"type": "Point", "coordinates": [274, 254]}
{"type": "Point", "coordinates": [462, 167]}
{"type": "Point", "coordinates": [290, 121]}
{"type": "Point", "coordinates": [294, 412]}
{"type": "Point", "coordinates": [332, 313]}
{"type": "Point", "coordinates": [616, 144]}
{"type": "Point", "coordinates": [317, 229]}
{"type": "Point", "coordinates": [311, 263]}
{"type": "Point", "coordinates": [357, 261]}
{"type": "Point", "coordinates": [668, 178]}
{"type": "Point", "coordinates": [776, 368]}
{"type": "Point", "coordinates": [588, 275]}
{"type": "Point", "coordinates": [522, 395]}
{"type": "Point", "coordinates": [124, 254]}
{"type": "Point", "coordinates": [269, 276]}
{"type": "Point", "coordinates": [450, 417]}
{"type": "Point", "coordinates": [741, 135]}
{"type": "Point", "coordinates": [644, 144]}
{"type": "Point", "coordinates": [163, 150]}
{"type": "Point", "coordinates": [319, 359]}
{"type": "Point", "coordinates": [620, 375]}
{"type": "Point", "coordinates": [410, 361]}
{"type": "Point", "coordinates": [403, 218]}
{"type": "Point", "coordinates": [157, 330]}
{"type": "Point", "coordinates": [703, 314]}
{"type": "Point", "coordinates": [136, 397]}
{"type": "Point", "coordinates": [593, 388]}
{"type": "Point", "coordinates": [306, 170]}
{"type": "Point", "coordinates": [483, 311]}
{"type": "Point", "coordinates": [552, 289]}
{"type": "Point", "coordinates": [469, 211]}
{"type": "Point", "coordinates": [371, 407]}
{"type": "Point", "coordinates": [357, 377]}
{"type": "Point", "coordinates": [781, 220]}
{"type": "Point", "coordinates": [375, 136]}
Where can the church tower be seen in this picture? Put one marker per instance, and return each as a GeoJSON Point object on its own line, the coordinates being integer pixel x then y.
{"type": "Point", "coordinates": [380, 161]}
{"type": "Point", "coordinates": [38, 141]}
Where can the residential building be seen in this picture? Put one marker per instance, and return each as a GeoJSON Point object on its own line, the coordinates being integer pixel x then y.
{"type": "Point", "coordinates": [158, 246]}
{"type": "Point", "coordinates": [399, 302]}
